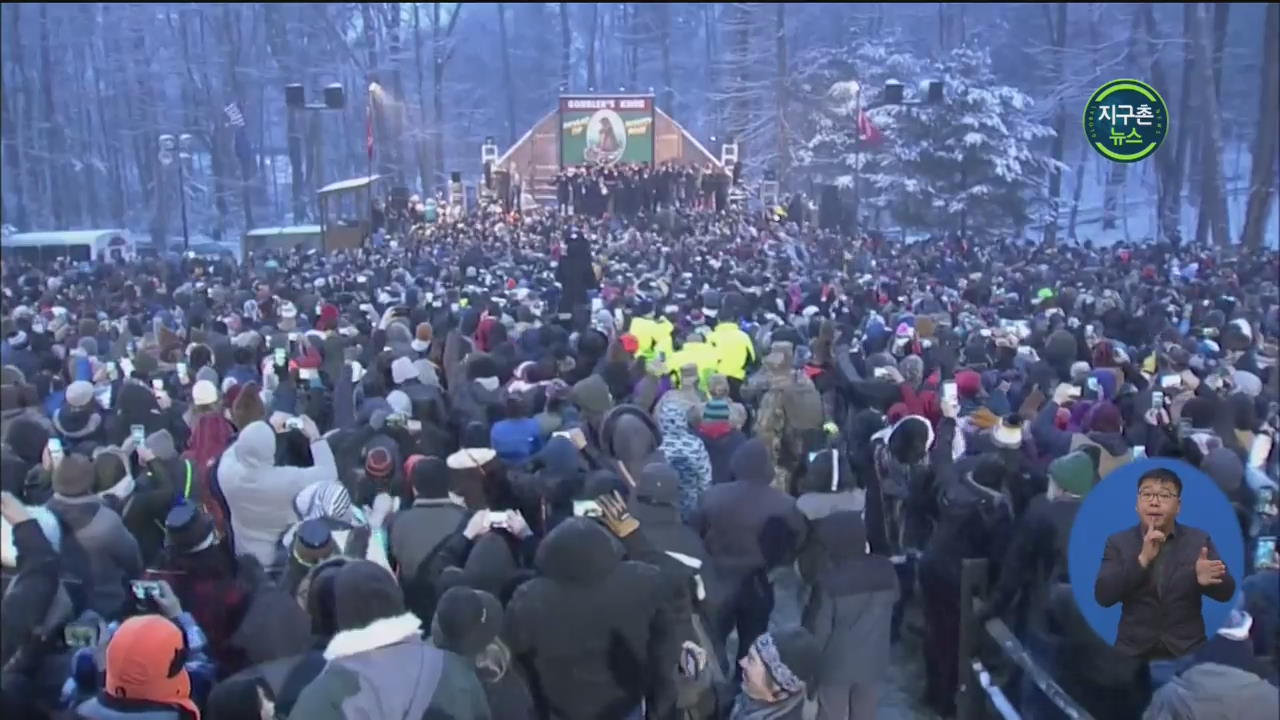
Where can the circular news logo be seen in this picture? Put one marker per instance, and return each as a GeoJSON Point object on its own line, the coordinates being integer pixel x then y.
{"type": "Point", "coordinates": [1126, 120]}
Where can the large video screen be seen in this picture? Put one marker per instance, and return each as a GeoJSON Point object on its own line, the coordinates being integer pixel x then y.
{"type": "Point", "coordinates": [603, 130]}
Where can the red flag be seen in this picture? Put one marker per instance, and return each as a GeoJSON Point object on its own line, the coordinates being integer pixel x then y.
{"type": "Point", "coordinates": [867, 132]}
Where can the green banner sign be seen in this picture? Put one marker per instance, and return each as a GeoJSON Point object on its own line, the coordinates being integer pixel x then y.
{"type": "Point", "coordinates": [596, 130]}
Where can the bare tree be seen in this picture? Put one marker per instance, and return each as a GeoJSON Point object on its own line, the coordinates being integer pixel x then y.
{"type": "Point", "coordinates": [508, 90]}
{"type": "Point", "coordinates": [1262, 188]}
{"type": "Point", "coordinates": [1213, 208]}
{"type": "Point", "coordinates": [442, 48]}
{"type": "Point", "coordinates": [11, 123]}
{"type": "Point", "coordinates": [780, 90]}
{"type": "Point", "coordinates": [566, 47]}
{"type": "Point", "coordinates": [592, 78]}
{"type": "Point", "coordinates": [1058, 38]}
{"type": "Point", "coordinates": [667, 98]}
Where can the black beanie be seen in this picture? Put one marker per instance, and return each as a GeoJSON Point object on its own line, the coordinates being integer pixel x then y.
{"type": "Point", "coordinates": [466, 621]}
{"type": "Point", "coordinates": [1060, 347]}
{"type": "Point", "coordinates": [430, 478]}
{"type": "Point", "coordinates": [27, 438]}
{"type": "Point", "coordinates": [365, 592]}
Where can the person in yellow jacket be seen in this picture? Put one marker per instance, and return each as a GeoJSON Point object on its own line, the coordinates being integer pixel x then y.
{"type": "Point", "coordinates": [653, 336]}
{"type": "Point", "coordinates": [696, 351]}
{"type": "Point", "coordinates": [734, 348]}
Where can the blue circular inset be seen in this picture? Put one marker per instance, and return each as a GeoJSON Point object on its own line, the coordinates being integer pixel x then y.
{"type": "Point", "coordinates": [1111, 506]}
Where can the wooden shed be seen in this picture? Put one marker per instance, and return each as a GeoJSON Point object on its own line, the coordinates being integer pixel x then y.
{"type": "Point", "coordinates": [536, 157]}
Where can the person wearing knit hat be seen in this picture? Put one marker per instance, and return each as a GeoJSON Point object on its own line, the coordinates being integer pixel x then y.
{"type": "Point", "coordinates": [1073, 475]}
{"type": "Point", "coordinates": [328, 319]}
{"type": "Point", "coordinates": [204, 393]}
{"type": "Point", "coordinates": [378, 464]}
{"type": "Point", "coordinates": [434, 515]}
{"type": "Point", "coordinates": [139, 675]}
{"type": "Point", "coordinates": [968, 384]}
{"type": "Point", "coordinates": [777, 674]}
{"type": "Point", "coordinates": [422, 335]}
{"type": "Point", "coordinates": [468, 622]}
{"type": "Point", "coordinates": [78, 420]}
{"type": "Point", "coordinates": [378, 663]}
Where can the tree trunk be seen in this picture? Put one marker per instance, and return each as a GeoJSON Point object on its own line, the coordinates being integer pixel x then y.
{"type": "Point", "coordinates": [780, 49]}
{"type": "Point", "coordinates": [424, 164]}
{"type": "Point", "coordinates": [1213, 209]}
{"type": "Point", "coordinates": [507, 88]}
{"type": "Point", "coordinates": [667, 99]}
{"type": "Point", "coordinates": [442, 51]}
{"type": "Point", "coordinates": [1058, 37]}
{"type": "Point", "coordinates": [739, 78]}
{"type": "Point", "coordinates": [1173, 191]}
{"type": "Point", "coordinates": [1167, 198]}
{"type": "Point", "coordinates": [1263, 168]}
{"type": "Point", "coordinates": [394, 62]}
{"type": "Point", "coordinates": [1111, 199]}
{"type": "Point", "coordinates": [282, 50]}
{"type": "Point", "coordinates": [1221, 16]}
{"type": "Point", "coordinates": [592, 78]}
{"type": "Point", "coordinates": [709, 28]}
{"type": "Point", "coordinates": [13, 126]}
{"type": "Point", "coordinates": [233, 46]}
{"type": "Point", "coordinates": [53, 139]}
{"type": "Point", "coordinates": [1077, 192]}
{"type": "Point", "coordinates": [566, 47]}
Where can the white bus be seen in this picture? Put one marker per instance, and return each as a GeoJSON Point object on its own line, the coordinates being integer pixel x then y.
{"type": "Point", "coordinates": [75, 245]}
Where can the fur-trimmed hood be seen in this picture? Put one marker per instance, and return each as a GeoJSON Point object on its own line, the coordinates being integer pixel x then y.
{"type": "Point", "coordinates": [379, 634]}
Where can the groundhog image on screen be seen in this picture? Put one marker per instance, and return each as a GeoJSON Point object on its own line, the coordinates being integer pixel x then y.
{"type": "Point", "coordinates": [1158, 570]}
{"type": "Point", "coordinates": [606, 137]}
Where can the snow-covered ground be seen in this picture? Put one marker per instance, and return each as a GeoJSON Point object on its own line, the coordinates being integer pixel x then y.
{"type": "Point", "coordinates": [1139, 201]}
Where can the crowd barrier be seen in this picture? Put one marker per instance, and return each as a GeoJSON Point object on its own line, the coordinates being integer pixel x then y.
{"type": "Point", "coordinates": [979, 696]}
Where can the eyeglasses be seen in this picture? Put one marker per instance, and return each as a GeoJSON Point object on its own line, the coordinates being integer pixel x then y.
{"type": "Point", "coordinates": [1164, 497]}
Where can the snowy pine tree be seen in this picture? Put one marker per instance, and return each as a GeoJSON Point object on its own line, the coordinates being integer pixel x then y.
{"type": "Point", "coordinates": [977, 157]}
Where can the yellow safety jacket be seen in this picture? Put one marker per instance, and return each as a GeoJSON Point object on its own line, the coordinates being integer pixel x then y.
{"type": "Point", "coordinates": [702, 355]}
{"type": "Point", "coordinates": [653, 337]}
{"type": "Point", "coordinates": [734, 350]}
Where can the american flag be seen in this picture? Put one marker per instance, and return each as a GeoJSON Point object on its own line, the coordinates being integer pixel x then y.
{"type": "Point", "coordinates": [243, 151]}
{"type": "Point", "coordinates": [234, 116]}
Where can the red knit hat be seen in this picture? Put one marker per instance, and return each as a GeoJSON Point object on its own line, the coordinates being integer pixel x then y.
{"type": "Point", "coordinates": [328, 318]}
{"type": "Point", "coordinates": [378, 463]}
{"type": "Point", "coordinates": [968, 383]}
{"type": "Point", "coordinates": [630, 343]}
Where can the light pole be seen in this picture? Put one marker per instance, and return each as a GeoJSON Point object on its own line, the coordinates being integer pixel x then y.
{"type": "Point", "coordinates": [182, 144]}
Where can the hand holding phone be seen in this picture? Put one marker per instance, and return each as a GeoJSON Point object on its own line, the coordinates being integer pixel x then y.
{"type": "Point", "coordinates": [1264, 553]}
{"type": "Point", "coordinates": [55, 451]}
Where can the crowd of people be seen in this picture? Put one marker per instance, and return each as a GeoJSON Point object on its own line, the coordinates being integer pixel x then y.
{"type": "Point", "coordinates": [609, 466]}
{"type": "Point", "coordinates": [630, 190]}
